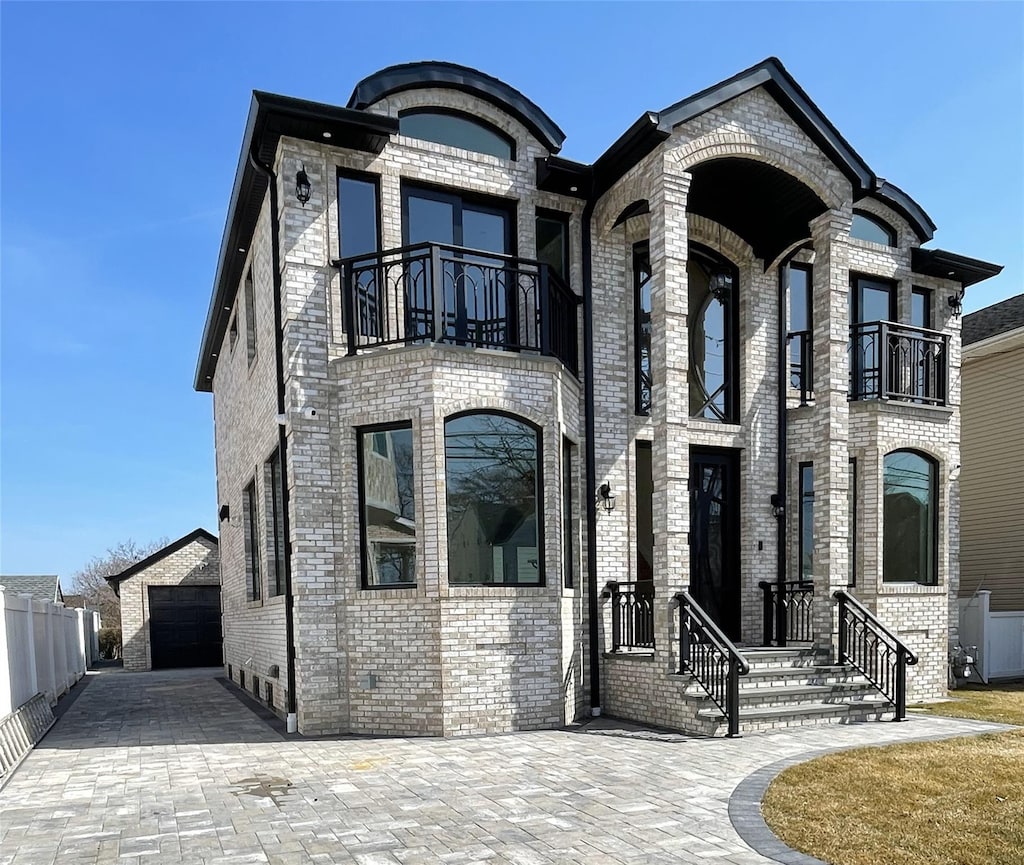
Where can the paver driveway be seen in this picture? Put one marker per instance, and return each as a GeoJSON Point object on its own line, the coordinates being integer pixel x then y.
{"type": "Point", "coordinates": [170, 767]}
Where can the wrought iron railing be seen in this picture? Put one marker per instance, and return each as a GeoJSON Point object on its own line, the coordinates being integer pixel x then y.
{"type": "Point", "coordinates": [873, 649]}
{"type": "Point", "coordinates": [898, 362]}
{"type": "Point", "coordinates": [801, 364]}
{"type": "Point", "coordinates": [711, 658]}
{"type": "Point", "coordinates": [632, 608]}
{"type": "Point", "coordinates": [787, 612]}
{"type": "Point", "coordinates": [432, 292]}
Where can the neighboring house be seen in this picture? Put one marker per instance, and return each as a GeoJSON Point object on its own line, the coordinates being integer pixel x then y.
{"type": "Point", "coordinates": [41, 587]}
{"type": "Point", "coordinates": [991, 504]}
{"type": "Point", "coordinates": [483, 412]}
{"type": "Point", "coordinates": [170, 606]}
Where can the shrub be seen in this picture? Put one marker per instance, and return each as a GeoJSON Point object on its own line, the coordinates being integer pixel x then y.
{"type": "Point", "coordinates": [110, 643]}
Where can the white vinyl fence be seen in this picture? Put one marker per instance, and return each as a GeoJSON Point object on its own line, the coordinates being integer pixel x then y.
{"type": "Point", "coordinates": [44, 648]}
{"type": "Point", "coordinates": [998, 636]}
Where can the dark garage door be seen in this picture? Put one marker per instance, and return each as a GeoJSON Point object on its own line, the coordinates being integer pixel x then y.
{"type": "Point", "coordinates": [184, 626]}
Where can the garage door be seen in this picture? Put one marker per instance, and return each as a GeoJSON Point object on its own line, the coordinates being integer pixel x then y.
{"type": "Point", "coordinates": [184, 626]}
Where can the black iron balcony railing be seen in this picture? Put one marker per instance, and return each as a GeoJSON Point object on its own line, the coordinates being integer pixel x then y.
{"type": "Point", "coordinates": [432, 292]}
{"type": "Point", "coordinates": [898, 362]}
{"type": "Point", "coordinates": [787, 612]}
{"type": "Point", "coordinates": [632, 615]}
{"type": "Point", "coordinates": [801, 366]}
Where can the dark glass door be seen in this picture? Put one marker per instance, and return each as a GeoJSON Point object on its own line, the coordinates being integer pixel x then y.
{"type": "Point", "coordinates": [714, 537]}
{"type": "Point", "coordinates": [478, 290]}
{"type": "Point", "coordinates": [871, 300]}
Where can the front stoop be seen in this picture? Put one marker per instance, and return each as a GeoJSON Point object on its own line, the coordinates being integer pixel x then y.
{"type": "Point", "coordinates": [791, 688]}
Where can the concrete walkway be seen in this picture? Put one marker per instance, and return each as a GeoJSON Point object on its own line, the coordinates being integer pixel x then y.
{"type": "Point", "coordinates": [149, 768]}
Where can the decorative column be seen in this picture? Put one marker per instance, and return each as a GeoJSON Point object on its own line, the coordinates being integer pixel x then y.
{"type": "Point", "coordinates": [831, 420]}
{"type": "Point", "coordinates": [669, 399]}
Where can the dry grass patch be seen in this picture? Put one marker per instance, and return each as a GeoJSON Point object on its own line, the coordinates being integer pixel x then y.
{"type": "Point", "coordinates": [957, 802]}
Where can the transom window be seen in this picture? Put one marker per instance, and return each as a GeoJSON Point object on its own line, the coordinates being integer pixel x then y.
{"type": "Point", "coordinates": [910, 518]}
{"type": "Point", "coordinates": [871, 228]}
{"type": "Point", "coordinates": [492, 480]}
{"type": "Point", "coordinates": [456, 130]}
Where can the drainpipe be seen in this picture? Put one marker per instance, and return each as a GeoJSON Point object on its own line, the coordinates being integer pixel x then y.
{"type": "Point", "coordinates": [780, 538]}
{"type": "Point", "coordinates": [590, 495]}
{"type": "Point", "coordinates": [282, 441]}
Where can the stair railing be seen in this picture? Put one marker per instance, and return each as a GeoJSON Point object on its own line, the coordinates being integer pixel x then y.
{"type": "Point", "coordinates": [711, 658]}
{"type": "Point", "coordinates": [876, 651]}
{"type": "Point", "coordinates": [794, 600]}
{"type": "Point", "coordinates": [632, 615]}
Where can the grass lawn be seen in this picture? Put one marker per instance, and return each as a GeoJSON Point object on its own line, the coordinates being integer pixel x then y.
{"type": "Point", "coordinates": [957, 802]}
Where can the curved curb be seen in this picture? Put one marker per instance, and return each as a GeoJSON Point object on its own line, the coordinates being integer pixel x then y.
{"type": "Point", "coordinates": [745, 801]}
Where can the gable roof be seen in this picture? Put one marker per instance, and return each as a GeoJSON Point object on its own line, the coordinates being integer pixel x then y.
{"type": "Point", "coordinates": [42, 587]}
{"type": "Point", "coordinates": [994, 320]}
{"type": "Point", "coordinates": [115, 580]}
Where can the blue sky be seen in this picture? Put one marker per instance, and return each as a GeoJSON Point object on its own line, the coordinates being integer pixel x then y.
{"type": "Point", "coordinates": [121, 129]}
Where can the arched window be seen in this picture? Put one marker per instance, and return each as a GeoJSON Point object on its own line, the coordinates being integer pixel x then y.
{"type": "Point", "coordinates": [712, 324]}
{"type": "Point", "coordinates": [910, 518]}
{"type": "Point", "coordinates": [492, 477]}
{"type": "Point", "coordinates": [871, 228]}
{"type": "Point", "coordinates": [456, 130]}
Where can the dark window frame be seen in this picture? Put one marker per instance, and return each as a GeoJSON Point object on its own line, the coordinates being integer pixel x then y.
{"type": "Point", "coordinates": [808, 386]}
{"type": "Point", "coordinates": [458, 198]}
{"type": "Point", "coordinates": [273, 475]}
{"type": "Point", "coordinates": [857, 301]}
{"type": "Point", "coordinates": [732, 355]}
{"type": "Point", "coordinates": [933, 479]}
{"type": "Point", "coordinates": [364, 177]}
{"type": "Point", "coordinates": [538, 494]}
{"type": "Point", "coordinates": [852, 578]}
{"type": "Point", "coordinates": [364, 575]}
{"type": "Point", "coordinates": [927, 295]}
{"type": "Point", "coordinates": [233, 332]}
{"type": "Point", "coordinates": [249, 299]}
{"type": "Point", "coordinates": [568, 516]}
{"type": "Point", "coordinates": [561, 217]}
{"type": "Point", "coordinates": [804, 495]}
{"type": "Point", "coordinates": [879, 223]}
{"type": "Point", "coordinates": [641, 252]}
{"type": "Point", "coordinates": [251, 533]}
{"type": "Point", "coordinates": [462, 115]}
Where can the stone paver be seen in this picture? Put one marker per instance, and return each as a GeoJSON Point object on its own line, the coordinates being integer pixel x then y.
{"type": "Point", "coordinates": [153, 768]}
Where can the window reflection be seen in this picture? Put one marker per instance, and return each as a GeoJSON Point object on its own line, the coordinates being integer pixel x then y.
{"type": "Point", "coordinates": [909, 518]}
{"type": "Point", "coordinates": [642, 325]}
{"type": "Point", "coordinates": [865, 227]}
{"type": "Point", "coordinates": [389, 507]}
{"type": "Point", "coordinates": [712, 334]}
{"type": "Point", "coordinates": [456, 131]}
{"type": "Point", "coordinates": [492, 475]}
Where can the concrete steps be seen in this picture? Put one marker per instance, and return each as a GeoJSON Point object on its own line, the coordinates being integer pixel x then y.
{"type": "Point", "coordinates": [791, 688]}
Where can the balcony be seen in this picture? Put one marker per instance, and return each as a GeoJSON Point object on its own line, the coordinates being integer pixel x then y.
{"type": "Point", "coordinates": [433, 292]}
{"type": "Point", "coordinates": [898, 362]}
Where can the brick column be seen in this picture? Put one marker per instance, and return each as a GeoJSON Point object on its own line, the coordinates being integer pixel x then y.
{"type": "Point", "coordinates": [831, 419]}
{"type": "Point", "coordinates": [669, 400]}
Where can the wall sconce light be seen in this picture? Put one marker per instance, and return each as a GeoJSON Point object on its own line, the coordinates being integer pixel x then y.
{"type": "Point", "coordinates": [607, 498]}
{"type": "Point", "coordinates": [302, 187]}
{"type": "Point", "coordinates": [956, 302]}
{"type": "Point", "coordinates": [720, 284]}
{"type": "Point", "coordinates": [778, 508]}
{"type": "Point", "coordinates": [954, 473]}
{"type": "Point", "coordinates": [224, 513]}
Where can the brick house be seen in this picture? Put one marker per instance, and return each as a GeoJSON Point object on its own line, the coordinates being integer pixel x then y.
{"type": "Point", "coordinates": [505, 440]}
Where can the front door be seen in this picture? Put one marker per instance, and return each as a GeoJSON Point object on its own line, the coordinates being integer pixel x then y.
{"type": "Point", "coordinates": [479, 291]}
{"type": "Point", "coordinates": [715, 537]}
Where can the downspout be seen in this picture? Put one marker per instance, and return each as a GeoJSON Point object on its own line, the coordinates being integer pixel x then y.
{"type": "Point", "coordinates": [590, 495]}
{"type": "Point", "coordinates": [780, 537]}
{"type": "Point", "coordinates": [282, 442]}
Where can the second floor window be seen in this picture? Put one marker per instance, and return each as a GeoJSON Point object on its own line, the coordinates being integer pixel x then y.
{"type": "Point", "coordinates": [871, 228]}
{"type": "Point", "coordinates": [800, 334]}
{"type": "Point", "coordinates": [252, 543]}
{"type": "Point", "coordinates": [642, 325]}
{"type": "Point", "coordinates": [359, 228]}
{"type": "Point", "coordinates": [553, 242]}
{"type": "Point", "coordinates": [250, 317]}
{"type": "Point", "coordinates": [712, 324]}
{"type": "Point", "coordinates": [456, 130]}
{"type": "Point", "coordinates": [275, 522]}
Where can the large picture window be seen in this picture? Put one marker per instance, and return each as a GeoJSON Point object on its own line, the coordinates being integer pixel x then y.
{"type": "Point", "coordinates": [388, 506]}
{"type": "Point", "coordinates": [493, 487]}
{"type": "Point", "coordinates": [712, 322]}
{"type": "Point", "coordinates": [910, 516]}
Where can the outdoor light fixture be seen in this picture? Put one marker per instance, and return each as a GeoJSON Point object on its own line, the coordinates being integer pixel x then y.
{"type": "Point", "coordinates": [956, 302]}
{"type": "Point", "coordinates": [607, 497]}
{"type": "Point", "coordinates": [720, 278]}
{"type": "Point", "coordinates": [302, 187]}
{"type": "Point", "coordinates": [778, 508]}
{"type": "Point", "coordinates": [224, 513]}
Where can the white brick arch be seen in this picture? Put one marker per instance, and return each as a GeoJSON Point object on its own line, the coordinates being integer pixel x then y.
{"type": "Point", "coordinates": [484, 405]}
{"type": "Point", "coordinates": [705, 231]}
{"type": "Point", "coordinates": [724, 145]}
{"type": "Point", "coordinates": [635, 185]}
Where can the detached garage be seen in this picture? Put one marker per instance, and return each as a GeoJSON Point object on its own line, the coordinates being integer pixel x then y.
{"type": "Point", "coordinates": [170, 606]}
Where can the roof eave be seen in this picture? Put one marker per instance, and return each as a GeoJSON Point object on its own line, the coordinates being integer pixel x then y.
{"type": "Point", "coordinates": [942, 264]}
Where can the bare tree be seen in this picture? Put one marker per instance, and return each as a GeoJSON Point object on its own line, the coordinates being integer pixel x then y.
{"type": "Point", "coordinates": [91, 583]}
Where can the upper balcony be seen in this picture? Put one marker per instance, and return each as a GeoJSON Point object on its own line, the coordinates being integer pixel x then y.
{"type": "Point", "coordinates": [888, 361]}
{"type": "Point", "coordinates": [432, 292]}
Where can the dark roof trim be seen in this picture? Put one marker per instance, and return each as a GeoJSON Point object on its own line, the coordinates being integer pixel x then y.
{"type": "Point", "coordinates": [436, 73]}
{"type": "Point", "coordinates": [948, 265]}
{"type": "Point", "coordinates": [271, 117]}
{"type": "Point", "coordinates": [115, 580]}
{"type": "Point", "coordinates": [894, 197]}
{"type": "Point", "coordinates": [632, 146]}
{"type": "Point", "coordinates": [563, 176]}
